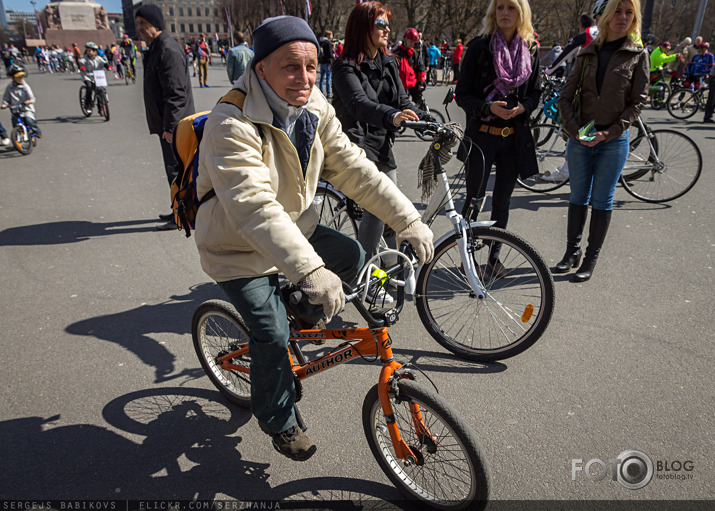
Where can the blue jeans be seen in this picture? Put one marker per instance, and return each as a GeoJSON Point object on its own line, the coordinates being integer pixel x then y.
{"type": "Point", "coordinates": [594, 171]}
{"type": "Point", "coordinates": [327, 74]}
{"type": "Point", "coordinates": [260, 303]}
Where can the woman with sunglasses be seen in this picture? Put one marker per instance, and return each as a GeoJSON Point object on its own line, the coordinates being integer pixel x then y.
{"type": "Point", "coordinates": [370, 102]}
{"type": "Point", "coordinates": [498, 88]}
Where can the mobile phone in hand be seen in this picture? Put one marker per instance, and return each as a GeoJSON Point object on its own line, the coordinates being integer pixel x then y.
{"type": "Point", "coordinates": [587, 132]}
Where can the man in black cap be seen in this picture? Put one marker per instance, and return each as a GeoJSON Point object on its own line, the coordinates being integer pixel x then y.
{"type": "Point", "coordinates": [167, 88]}
{"type": "Point", "coordinates": [263, 157]}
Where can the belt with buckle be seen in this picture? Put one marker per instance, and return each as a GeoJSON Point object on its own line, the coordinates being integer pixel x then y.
{"type": "Point", "coordinates": [493, 130]}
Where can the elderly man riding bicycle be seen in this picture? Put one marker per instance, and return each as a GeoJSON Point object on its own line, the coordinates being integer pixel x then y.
{"type": "Point", "coordinates": [264, 161]}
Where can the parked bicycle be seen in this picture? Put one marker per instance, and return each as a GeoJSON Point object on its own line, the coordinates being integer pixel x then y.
{"type": "Point", "coordinates": [426, 449]}
{"type": "Point", "coordinates": [659, 91]}
{"type": "Point", "coordinates": [662, 164]}
{"type": "Point", "coordinates": [462, 303]}
{"type": "Point", "coordinates": [684, 102]}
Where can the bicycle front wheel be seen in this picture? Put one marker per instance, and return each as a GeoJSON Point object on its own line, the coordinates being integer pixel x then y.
{"type": "Point", "coordinates": [450, 471]}
{"type": "Point", "coordinates": [217, 330]}
{"type": "Point", "coordinates": [103, 104]}
{"type": "Point", "coordinates": [513, 315]}
{"type": "Point", "coordinates": [550, 144]}
{"type": "Point", "coordinates": [683, 104]}
{"type": "Point", "coordinates": [671, 175]}
{"type": "Point", "coordinates": [82, 101]}
{"type": "Point", "coordinates": [334, 212]}
{"type": "Point", "coordinates": [21, 140]}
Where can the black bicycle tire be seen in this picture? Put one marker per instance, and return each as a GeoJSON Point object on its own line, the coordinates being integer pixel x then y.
{"type": "Point", "coordinates": [20, 146]}
{"type": "Point", "coordinates": [467, 441]}
{"type": "Point", "coordinates": [534, 331]}
{"type": "Point", "coordinates": [340, 201]}
{"type": "Point", "coordinates": [85, 112]}
{"type": "Point", "coordinates": [672, 109]}
{"type": "Point", "coordinates": [227, 311]}
{"type": "Point", "coordinates": [664, 95]}
{"type": "Point", "coordinates": [686, 139]}
{"type": "Point", "coordinates": [104, 108]}
{"type": "Point", "coordinates": [553, 131]}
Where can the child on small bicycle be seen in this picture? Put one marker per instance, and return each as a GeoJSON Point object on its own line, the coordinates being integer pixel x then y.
{"type": "Point", "coordinates": [17, 93]}
{"type": "Point", "coordinates": [88, 63]}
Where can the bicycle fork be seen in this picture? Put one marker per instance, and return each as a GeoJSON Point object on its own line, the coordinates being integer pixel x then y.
{"type": "Point", "coordinates": [390, 371]}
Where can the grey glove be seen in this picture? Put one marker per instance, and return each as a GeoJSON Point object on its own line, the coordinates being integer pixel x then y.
{"type": "Point", "coordinates": [323, 287]}
{"type": "Point", "coordinates": [420, 237]}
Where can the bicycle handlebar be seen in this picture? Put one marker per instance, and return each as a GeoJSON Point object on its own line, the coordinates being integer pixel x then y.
{"type": "Point", "coordinates": [352, 295]}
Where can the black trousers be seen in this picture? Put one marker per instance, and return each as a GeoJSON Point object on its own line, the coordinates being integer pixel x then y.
{"type": "Point", "coordinates": [501, 152]}
{"type": "Point", "coordinates": [170, 164]}
{"type": "Point", "coordinates": [710, 105]}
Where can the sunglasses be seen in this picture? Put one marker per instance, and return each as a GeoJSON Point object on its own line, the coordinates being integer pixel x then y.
{"type": "Point", "coordinates": [382, 24]}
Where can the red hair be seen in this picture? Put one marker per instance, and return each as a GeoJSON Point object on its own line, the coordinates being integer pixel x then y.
{"type": "Point", "coordinates": [358, 29]}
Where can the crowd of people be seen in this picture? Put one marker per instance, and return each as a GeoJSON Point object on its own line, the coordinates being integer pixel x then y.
{"type": "Point", "coordinates": [262, 159]}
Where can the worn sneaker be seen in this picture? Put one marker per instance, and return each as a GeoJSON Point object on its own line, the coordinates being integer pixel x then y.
{"type": "Point", "coordinates": [4, 141]}
{"type": "Point", "coordinates": [556, 177]}
{"type": "Point", "coordinates": [378, 296]}
{"type": "Point", "coordinates": [294, 444]}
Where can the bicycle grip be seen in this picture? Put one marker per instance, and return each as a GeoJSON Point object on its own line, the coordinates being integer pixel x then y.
{"type": "Point", "coordinates": [416, 125]}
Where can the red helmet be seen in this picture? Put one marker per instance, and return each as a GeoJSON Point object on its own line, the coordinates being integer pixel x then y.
{"type": "Point", "coordinates": [666, 44]}
{"type": "Point", "coordinates": [125, 36]}
{"type": "Point", "coordinates": [412, 34]}
{"type": "Point", "coordinates": [705, 45]}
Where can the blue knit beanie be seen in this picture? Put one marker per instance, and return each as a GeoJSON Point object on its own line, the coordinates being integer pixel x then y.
{"type": "Point", "coordinates": [273, 33]}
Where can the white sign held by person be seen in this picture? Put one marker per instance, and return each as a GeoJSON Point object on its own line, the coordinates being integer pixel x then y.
{"type": "Point", "coordinates": [100, 79]}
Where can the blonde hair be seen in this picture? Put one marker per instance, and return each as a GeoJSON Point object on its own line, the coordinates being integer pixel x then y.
{"type": "Point", "coordinates": [524, 28]}
{"type": "Point", "coordinates": [634, 31]}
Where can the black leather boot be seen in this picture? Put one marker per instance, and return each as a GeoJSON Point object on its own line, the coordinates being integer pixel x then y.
{"type": "Point", "coordinates": [600, 220]}
{"type": "Point", "coordinates": [574, 229]}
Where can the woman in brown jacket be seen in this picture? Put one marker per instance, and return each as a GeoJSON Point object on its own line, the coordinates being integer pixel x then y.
{"type": "Point", "coordinates": [614, 72]}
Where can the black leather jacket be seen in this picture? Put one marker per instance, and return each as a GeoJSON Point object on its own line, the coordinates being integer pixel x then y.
{"type": "Point", "coordinates": [365, 98]}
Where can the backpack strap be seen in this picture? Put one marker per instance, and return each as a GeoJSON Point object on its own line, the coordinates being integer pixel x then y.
{"type": "Point", "coordinates": [235, 97]}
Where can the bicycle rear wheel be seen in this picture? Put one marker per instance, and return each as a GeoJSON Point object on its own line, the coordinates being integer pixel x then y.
{"type": "Point", "coordinates": [451, 471]}
{"type": "Point", "coordinates": [217, 330]}
{"type": "Point", "coordinates": [334, 211]}
{"type": "Point", "coordinates": [550, 145]}
{"type": "Point", "coordinates": [671, 175]}
{"type": "Point", "coordinates": [513, 315]}
{"type": "Point", "coordinates": [659, 99]}
{"type": "Point", "coordinates": [683, 104]}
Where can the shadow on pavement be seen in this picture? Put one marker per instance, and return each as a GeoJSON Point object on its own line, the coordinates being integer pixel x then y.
{"type": "Point", "coordinates": [133, 329]}
{"type": "Point", "coordinates": [70, 231]}
{"type": "Point", "coordinates": [190, 450]}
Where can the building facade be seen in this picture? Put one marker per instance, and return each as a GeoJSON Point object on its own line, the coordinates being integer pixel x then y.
{"type": "Point", "coordinates": [186, 19]}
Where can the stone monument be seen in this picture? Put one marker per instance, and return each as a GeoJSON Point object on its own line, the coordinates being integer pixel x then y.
{"type": "Point", "coordinates": [76, 21]}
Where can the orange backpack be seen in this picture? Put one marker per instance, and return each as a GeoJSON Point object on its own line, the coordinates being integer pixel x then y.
{"type": "Point", "coordinates": [187, 138]}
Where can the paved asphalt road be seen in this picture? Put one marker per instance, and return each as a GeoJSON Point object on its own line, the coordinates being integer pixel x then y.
{"type": "Point", "coordinates": [103, 396]}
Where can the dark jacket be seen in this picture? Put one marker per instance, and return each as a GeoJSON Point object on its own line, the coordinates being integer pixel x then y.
{"type": "Point", "coordinates": [366, 98]}
{"type": "Point", "coordinates": [623, 93]}
{"type": "Point", "coordinates": [476, 73]}
{"type": "Point", "coordinates": [167, 85]}
{"type": "Point", "coordinates": [326, 51]}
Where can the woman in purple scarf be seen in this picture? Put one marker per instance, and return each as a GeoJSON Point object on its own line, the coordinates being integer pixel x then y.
{"type": "Point", "coordinates": [498, 88]}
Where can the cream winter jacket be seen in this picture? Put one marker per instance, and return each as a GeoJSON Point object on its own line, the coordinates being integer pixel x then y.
{"type": "Point", "coordinates": [262, 216]}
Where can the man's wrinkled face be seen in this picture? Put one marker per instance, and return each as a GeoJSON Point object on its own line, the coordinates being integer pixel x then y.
{"type": "Point", "coordinates": [291, 71]}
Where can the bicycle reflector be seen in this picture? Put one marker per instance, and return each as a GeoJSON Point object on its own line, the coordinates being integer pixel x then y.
{"type": "Point", "coordinates": [528, 312]}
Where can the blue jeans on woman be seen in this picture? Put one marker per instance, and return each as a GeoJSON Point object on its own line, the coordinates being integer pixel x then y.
{"type": "Point", "coordinates": [259, 302]}
{"type": "Point", "coordinates": [594, 171]}
{"type": "Point", "coordinates": [326, 73]}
